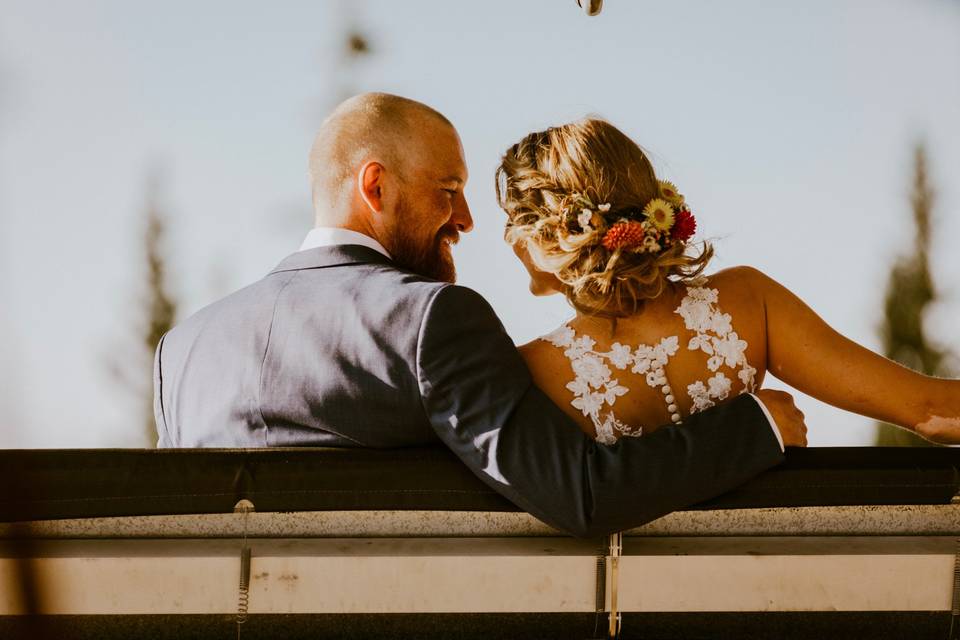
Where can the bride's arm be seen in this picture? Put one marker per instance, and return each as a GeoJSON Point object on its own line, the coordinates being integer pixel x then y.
{"type": "Point", "coordinates": [806, 353]}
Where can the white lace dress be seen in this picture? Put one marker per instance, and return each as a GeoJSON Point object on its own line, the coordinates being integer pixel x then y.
{"type": "Point", "coordinates": [595, 389]}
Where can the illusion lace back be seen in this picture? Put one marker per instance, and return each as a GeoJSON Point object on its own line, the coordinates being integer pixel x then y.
{"type": "Point", "coordinates": [595, 389]}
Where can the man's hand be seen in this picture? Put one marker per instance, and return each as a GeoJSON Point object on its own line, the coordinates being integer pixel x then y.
{"type": "Point", "coordinates": [786, 415]}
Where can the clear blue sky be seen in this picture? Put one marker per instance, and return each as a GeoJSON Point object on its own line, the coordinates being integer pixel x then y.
{"type": "Point", "coordinates": [788, 125]}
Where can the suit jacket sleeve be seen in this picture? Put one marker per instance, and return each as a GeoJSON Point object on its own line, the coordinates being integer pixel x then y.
{"type": "Point", "coordinates": [163, 439]}
{"type": "Point", "coordinates": [482, 403]}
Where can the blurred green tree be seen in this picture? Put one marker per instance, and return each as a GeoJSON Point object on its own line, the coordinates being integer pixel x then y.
{"type": "Point", "coordinates": [910, 292]}
{"type": "Point", "coordinates": [155, 315]}
{"type": "Point", "coordinates": [159, 307]}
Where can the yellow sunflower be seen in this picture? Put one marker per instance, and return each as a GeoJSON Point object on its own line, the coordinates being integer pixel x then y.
{"type": "Point", "coordinates": [669, 192]}
{"type": "Point", "coordinates": [660, 213]}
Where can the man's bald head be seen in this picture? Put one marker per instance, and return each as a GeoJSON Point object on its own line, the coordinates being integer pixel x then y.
{"type": "Point", "coordinates": [371, 126]}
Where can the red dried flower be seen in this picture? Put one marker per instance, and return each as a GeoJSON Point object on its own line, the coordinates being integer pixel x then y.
{"type": "Point", "coordinates": [684, 227]}
{"type": "Point", "coordinates": [623, 234]}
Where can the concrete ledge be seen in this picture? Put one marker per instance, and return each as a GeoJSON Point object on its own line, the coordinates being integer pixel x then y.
{"type": "Point", "coordinates": [914, 520]}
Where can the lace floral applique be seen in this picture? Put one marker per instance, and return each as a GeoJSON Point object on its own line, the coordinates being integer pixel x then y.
{"type": "Point", "coordinates": [594, 387]}
{"type": "Point", "coordinates": [714, 335]}
{"type": "Point", "coordinates": [595, 390]}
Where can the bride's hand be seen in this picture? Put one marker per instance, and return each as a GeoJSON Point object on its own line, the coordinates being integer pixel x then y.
{"type": "Point", "coordinates": [940, 430]}
{"type": "Point", "coordinates": [789, 420]}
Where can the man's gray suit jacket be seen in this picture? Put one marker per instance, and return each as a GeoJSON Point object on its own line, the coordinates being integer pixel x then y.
{"type": "Point", "coordinates": [339, 347]}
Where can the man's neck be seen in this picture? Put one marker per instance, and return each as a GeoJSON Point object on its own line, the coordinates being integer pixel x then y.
{"type": "Point", "coordinates": [326, 236]}
{"type": "Point", "coordinates": [352, 221]}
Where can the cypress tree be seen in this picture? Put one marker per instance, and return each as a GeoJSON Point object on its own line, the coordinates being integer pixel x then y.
{"type": "Point", "coordinates": [910, 292]}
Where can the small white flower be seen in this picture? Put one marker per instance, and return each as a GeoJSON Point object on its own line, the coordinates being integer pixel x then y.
{"type": "Point", "coordinates": [589, 404]}
{"type": "Point", "coordinates": [561, 337]}
{"type": "Point", "coordinates": [641, 365]}
{"type": "Point", "coordinates": [612, 391]}
{"type": "Point", "coordinates": [579, 347]}
{"type": "Point", "coordinates": [605, 207]}
{"type": "Point", "coordinates": [584, 219]}
{"type": "Point", "coordinates": [650, 244]}
{"type": "Point", "coordinates": [719, 386]}
{"type": "Point", "coordinates": [696, 313]}
{"type": "Point", "coordinates": [605, 430]}
{"type": "Point", "coordinates": [700, 397]}
{"type": "Point", "coordinates": [696, 389]}
{"type": "Point", "coordinates": [703, 294]}
{"type": "Point", "coordinates": [591, 369]}
{"type": "Point", "coordinates": [714, 362]}
{"type": "Point", "coordinates": [701, 342]}
{"type": "Point", "coordinates": [746, 376]}
{"type": "Point", "coordinates": [620, 355]}
{"type": "Point", "coordinates": [670, 345]}
{"type": "Point", "coordinates": [656, 378]}
{"type": "Point", "coordinates": [642, 359]}
{"type": "Point", "coordinates": [662, 352]}
{"type": "Point", "coordinates": [586, 343]}
{"type": "Point", "coordinates": [721, 324]}
{"type": "Point", "coordinates": [732, 349]}
{"type": "Point", "coordinates": [579, 387]}
{"type": "Point", "coordinates": [644, 351]}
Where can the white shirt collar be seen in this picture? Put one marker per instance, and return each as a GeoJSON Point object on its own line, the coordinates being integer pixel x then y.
{"type": "Point", "coordinates": [331, 236]}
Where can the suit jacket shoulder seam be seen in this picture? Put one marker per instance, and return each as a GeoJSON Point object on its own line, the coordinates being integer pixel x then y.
{"type": "Point", "coordinates": [417, 348]}
{"type": "Point", "coordinates": [266, 349]}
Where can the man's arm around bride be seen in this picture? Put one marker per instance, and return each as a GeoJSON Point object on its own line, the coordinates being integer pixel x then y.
{"type": "Point", "coordinates": [361, 339]}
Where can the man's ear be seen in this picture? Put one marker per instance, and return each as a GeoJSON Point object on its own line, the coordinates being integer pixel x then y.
{"type": "Point", "coordinates": [370, 185]}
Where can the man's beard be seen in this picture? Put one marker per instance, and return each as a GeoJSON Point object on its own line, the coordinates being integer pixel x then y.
{"type": "Point", "coordinates": [430, 258]}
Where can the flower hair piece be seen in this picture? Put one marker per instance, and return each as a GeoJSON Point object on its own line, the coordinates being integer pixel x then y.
{"type": "Point", "coordinates": [583, 216]}
{"type": "Point", "coordinates": [663, 221]}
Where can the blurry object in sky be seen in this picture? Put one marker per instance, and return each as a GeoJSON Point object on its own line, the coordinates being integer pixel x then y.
{"type": "Point", "coordinates": [357, 44]}
{"type": "Point", "coordinates": [910, 291]}
{"type": "Point", "coordinates": [351, 46]}
{"type": "Point", "coordinates": [156, 315]}
{"type": "Point", "coordinates": [354, 46]}
{"type": "Point", "coordinates": [591, 7]}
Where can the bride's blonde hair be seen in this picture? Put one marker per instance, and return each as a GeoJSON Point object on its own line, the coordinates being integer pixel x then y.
{"type": "Point", "coordinates": [542, 178]}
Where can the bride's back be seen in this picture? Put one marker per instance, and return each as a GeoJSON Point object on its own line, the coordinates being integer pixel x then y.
{"type": "Point", "coordinates": [690, 347]}
{"type": "Point", "coordinates": [589, 218]}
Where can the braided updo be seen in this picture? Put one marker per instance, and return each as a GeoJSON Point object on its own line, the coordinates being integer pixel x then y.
{"type": "Point", "coordinates": [545, 176]}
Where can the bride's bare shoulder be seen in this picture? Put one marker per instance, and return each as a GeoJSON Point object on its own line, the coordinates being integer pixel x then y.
{"type": "Point", "coordinates": [743, 282]}
{"type": "Point", "coordinates": [741, 274]}
{"type": "Point", "coordinates": [530, 347]}
{"type": "Point", "coordinates": [536, 348]}
{"type": "Point", "coordinates": [742, 292]}
{"type": "Point", "coordinates": [548, 367]}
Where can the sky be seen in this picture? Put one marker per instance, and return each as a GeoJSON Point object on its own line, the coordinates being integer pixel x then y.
{"type": "Point", "coordinates": [789, 127]}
